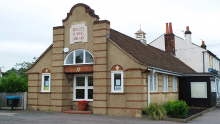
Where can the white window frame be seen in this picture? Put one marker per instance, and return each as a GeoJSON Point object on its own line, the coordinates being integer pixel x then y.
{"type": "Point", "coordinates": [42, 82]}
{"type": "Point", "coordinates": [153, 82]}
{"type": "Point", "coordinates": [112, 81]}
{"type": "Point", "coordinates": [74, 56]}
{"type": "Point", "coordinates": [86, 87]}
{"type": "Point", "coordinates": [174, 84]}
{"type": "Point", "coordinates": [165, 85]}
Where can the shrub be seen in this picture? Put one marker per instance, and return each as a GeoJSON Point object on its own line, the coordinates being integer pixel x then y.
{"type": "Point", "coordinates": [154, 111]}
{"type": "Point", "coordinates": [177, 108]}
{"type": "Point", "coordinates": [13, 83]}
{"type": "Point", "coordinates": [167, 107]}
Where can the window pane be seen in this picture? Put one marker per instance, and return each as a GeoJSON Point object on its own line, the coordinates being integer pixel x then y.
{"type": "Point", "coordinates": [89, 58]}
{"type": "Point", "coordinates": [151, 83]}
{"type": "Point", "coordinates": [79, 56]}
{"type": "Point", "coordinates": [90, 80]}
{"type": "Point", "coordinates": [155, 83]}
{"type": "Point", "coordinates": [167, 84]}
{"type": "Point", "coordinates": [80, 81]}
{"type": "Point", "coordinates": [46, 82]}
{"type": "Point", "coordinates": [117, 81]}
{"type": "Point", "coordinates": [80, 94]}
{"type": "Point", "coordinates": [90, 93]}
{"type": "Point", "coordinates": [69, 60]}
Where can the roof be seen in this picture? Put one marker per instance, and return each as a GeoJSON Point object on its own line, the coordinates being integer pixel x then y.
{"type": "Point", "coordinates": [40, 57]}
{"type": "Point", "coordinates": [148, 55]}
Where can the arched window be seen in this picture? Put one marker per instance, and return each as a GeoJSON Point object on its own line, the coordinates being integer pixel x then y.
{"type": "Point", "coordinates": [78, 56]}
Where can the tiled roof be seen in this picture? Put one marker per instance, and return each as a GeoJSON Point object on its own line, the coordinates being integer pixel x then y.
{"type": "Point", "coordinates": [148, 55]}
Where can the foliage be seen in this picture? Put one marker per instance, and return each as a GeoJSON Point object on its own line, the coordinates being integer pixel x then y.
{"type": "Point", "coordinates": [82, 102]}
{"type": "Point", "coordinates": [167, 107]}
{"type": "Point", "coordinates": [154, 111]}
{"type": "Point", "coordinates": [15, 79]}
{"type": "Point", "coordinates": [13, 83]}
{"type": "Point", "coordinates": [6, 74]}
{"type": "Point", "coordinates": [191, 107]}
{"type": "Point", "coordinates": [177, 108]}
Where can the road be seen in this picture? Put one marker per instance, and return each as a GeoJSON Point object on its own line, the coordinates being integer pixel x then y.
{"type": "Point", "coordinates": [47, 117]}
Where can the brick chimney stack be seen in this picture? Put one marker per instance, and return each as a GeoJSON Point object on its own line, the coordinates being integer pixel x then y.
{"type": "Point", "coordinates": [188, 34]}
{"type": "Point", "coordinates": [169, 39]}
{"type": "Point", "coordinates": [203, 45]}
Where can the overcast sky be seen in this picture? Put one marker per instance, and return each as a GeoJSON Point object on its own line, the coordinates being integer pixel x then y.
{"type": "Point", "coordinates": [26, 25]}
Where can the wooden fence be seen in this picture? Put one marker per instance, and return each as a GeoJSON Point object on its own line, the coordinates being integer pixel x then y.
{"type": "Point", "coordinates": [22, 103]}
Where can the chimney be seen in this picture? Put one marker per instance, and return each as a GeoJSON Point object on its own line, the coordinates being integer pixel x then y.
{"type": "Point", "coordinates": [203, 45]}
{"type": "Point", "coordinates": [169, 39]}
{"type": "Point", "coordinates": [188, 34]}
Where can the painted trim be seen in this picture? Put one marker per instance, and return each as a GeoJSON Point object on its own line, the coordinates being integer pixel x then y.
{"type": "Point", "coordinates": [112, 82]}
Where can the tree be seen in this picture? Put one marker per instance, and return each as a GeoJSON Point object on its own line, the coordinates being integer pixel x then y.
{"type": "Point", "coordinates": [15, 80]}
{"type": "Point", "coordinates": [6, 74]}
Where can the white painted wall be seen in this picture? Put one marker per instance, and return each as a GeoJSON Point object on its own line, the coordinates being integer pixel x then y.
{"type": "Point", "coordinates": [189, 53]}
{"type": "Point", "coordinates": [159, 43]}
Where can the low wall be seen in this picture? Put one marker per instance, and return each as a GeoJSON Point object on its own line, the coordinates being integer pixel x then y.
{"type": "Point", "coordinates": [22, 103]}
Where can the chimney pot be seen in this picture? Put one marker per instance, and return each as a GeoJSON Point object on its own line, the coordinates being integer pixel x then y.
{"type": "Point", "coordinates": [187, 28]}
{"type": "Point", "coordinates": [203, 45]}
{"type": "Point", "coordinates": [167, 30]}
{"type": "Point", "coordinates": [170, 28]}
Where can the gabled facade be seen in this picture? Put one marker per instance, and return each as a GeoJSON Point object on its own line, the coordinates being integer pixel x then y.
{"type": "Point", "coordinates": [90, 61]}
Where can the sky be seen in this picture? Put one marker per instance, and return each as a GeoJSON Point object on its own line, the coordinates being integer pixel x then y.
{"type": "Point", "coordinates": [26, 25]}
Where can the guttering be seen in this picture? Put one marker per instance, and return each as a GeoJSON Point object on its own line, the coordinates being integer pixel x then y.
{"type": "Point", "coordinates": [201, 74]}
{"type": "Point", "coordinates": [150, 68]}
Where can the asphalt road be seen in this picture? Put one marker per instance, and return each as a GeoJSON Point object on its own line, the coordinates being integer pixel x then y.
{"type": "Point", "coordinates": [47, 117]}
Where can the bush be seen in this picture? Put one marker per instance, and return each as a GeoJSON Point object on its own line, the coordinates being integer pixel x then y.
{"type": "Point", "coordinates": [177, 108]}
{"type": "Point", "coordinates": [13, 83]}
{"type": "Point", "coordinates": [154, 111]}
{"type": "Point", "coordinates": [167, 107]}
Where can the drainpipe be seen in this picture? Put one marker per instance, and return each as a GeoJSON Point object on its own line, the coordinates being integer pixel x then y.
{"type": "Point", "coordinates": [203, 63]}
{"type": "Point", "coordinates": [148, 91]}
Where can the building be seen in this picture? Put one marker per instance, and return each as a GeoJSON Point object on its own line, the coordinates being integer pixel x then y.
{"type": "Point", "coordinates": [90, 61]}
{"type": "Point", "coordinates": [197, 57]}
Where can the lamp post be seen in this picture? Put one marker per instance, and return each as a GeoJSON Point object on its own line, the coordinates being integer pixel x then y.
{"type": "Point", "coordinates": [1, 71]}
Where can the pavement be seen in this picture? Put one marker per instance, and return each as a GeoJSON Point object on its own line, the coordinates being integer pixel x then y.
{"type": "Point", "coordinates": [48, 117]}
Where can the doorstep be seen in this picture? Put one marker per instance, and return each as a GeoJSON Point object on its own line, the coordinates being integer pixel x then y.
{"type": "Point", "coordinates": [77, 112]}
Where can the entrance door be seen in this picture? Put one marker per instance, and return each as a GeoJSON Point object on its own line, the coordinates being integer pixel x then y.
{"type": "Point", "coordinates": [83, 87]}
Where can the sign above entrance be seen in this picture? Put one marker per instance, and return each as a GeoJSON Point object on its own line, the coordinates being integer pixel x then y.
{"type": "Point", "coordinates": [78, 33]}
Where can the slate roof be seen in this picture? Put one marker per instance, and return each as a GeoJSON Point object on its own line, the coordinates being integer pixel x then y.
{"type": "Point", "coordinates": [148, 55]}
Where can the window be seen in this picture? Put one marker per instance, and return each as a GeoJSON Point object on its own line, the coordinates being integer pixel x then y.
{"type": "Point", "coordinates": [83, 87]}
{"type": "Point", "coordinates": [79, 56]}
{"type": "Point", "coordinates": [45, 86]}
{"type": "Point", "coordinates": [200, 92]}
{"type": "Point", "coordinates": [174, 84]}
{"type": "Point", "coordinates": [165, 83]}
{"type": "Point", "coordinates": [117, 81]}
{"type": "Point", "coordinates": [153, 83]}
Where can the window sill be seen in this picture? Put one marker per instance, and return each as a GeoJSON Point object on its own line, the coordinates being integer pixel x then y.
{"type": "Point", "coordinates": [166, 92]}
{"type": "Point", "coordinates": [45, 92]}
{"type": "Point", "coordinates": [89, 100]}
